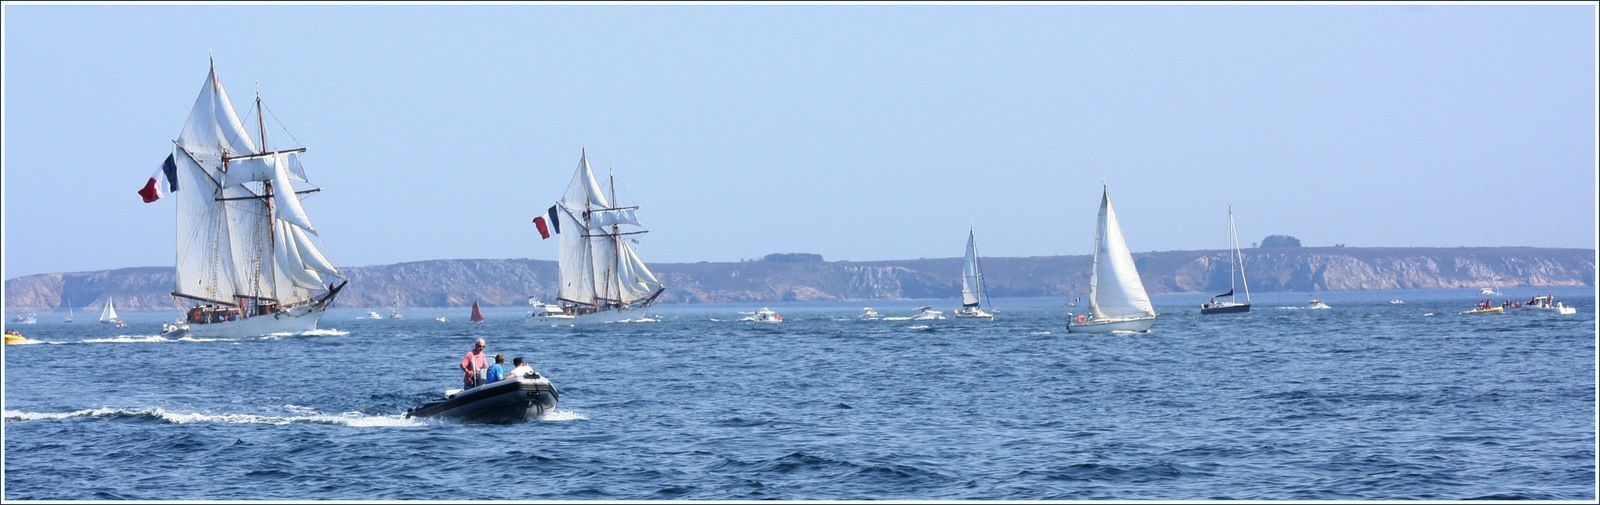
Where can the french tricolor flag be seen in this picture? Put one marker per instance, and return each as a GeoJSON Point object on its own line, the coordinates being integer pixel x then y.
{"type": "Point", "coordinates": [544, 229]}
{"type": "Point", "coordinates": [151, 190]}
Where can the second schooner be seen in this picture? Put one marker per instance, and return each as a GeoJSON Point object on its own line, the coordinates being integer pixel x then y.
{"type": "Point", "coordinates": [601, 277]}
{"type": "Point", "coordinates": [246, 262]}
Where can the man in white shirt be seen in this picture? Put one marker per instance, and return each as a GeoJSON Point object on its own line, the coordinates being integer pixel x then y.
{"type": "Point", "coordinates": [522, 369]}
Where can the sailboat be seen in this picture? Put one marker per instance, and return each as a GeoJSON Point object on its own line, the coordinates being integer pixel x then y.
{"type": "Point", "coordinates": [1235, 265]}
{"type": "Point", "coordinates": [70, 313]}
{"type": "Point", "coordinates": [246, 262]}
{"type": "Point", "coordinates": [1117, 301]}
{"type": "Point", "coordinates": [108, 315]}
{"type": "Point", "coordinates": [972, 290]}
{"type": "Point", "coordinates": [601, 277]}
{"type": "Point", "coordinates": [477, 313]}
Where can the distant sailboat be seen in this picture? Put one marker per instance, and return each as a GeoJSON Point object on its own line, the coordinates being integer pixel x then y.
{"type": "Point", "coordinates": [601, 277]}
{"type": "Point", "coordinates": [108, 315]}
{"type": "Point", "coordinates": [1117, 300]}
{"type": "Point", "coordinates": [1235, 272]}
{"type": "Point", "coordinates": [972, 289]}
{"type": "Point", "coordinates": [477, 313]}
{"type": "Point", "coordinates": [245, 258]}
{"type": "Point", "coordinates": [70, 313]}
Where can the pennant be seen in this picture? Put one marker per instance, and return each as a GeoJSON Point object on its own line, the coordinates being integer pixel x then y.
{"type": "Point", "coordinates": [555, 222]}
{"type": "Point", "coordinates": [544, 232]}
{"type": "Point", "coordinates": [152, 190]}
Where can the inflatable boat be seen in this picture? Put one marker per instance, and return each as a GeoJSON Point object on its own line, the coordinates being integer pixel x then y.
{"type": "Point", "coordinates": [506, 401]}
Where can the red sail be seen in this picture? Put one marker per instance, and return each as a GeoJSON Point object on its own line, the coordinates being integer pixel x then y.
{"type": "Point", "coordinates": [477, 314]}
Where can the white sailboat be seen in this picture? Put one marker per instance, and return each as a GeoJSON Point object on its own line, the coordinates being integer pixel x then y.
{"type": "Point", "coordinates": [972, 289]}
{"type": "Point", "coordinates": [246, 262]}
{"type": "Point", "coordinates": [71, 312]}
{"type": "Point", "coordinates": [1117, 300]}
{"type": "Point", "coordinates": [1235, 273]}
{"type": "Point", "coordinates": [108, 315]}
{"type": "Point", "coordinates": [602, 278]}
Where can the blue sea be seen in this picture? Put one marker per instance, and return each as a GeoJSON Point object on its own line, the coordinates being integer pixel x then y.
{"type": "Point", "coordinates": [1367, 400]}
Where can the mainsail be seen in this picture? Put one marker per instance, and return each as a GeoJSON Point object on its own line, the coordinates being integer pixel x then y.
{"type": "Point", "coordinates": [1115, 290]}
{"type": "Point", "coordinates": [243, 236]}
{"type": "Point", "coordinates": [972, 291]}
{"type": "Point", "coordinates": [109, 313]}
{"type": "Point", "coordinates": [598, 266]}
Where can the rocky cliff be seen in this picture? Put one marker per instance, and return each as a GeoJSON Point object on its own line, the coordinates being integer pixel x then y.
{"type": "Point", "coordinates": [495, 282]}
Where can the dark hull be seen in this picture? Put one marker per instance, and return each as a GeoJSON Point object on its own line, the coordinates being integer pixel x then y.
{"type": "Point", "coordinates": [502, 402]}
{"type": "Point", "coordinates": [1226, 310]}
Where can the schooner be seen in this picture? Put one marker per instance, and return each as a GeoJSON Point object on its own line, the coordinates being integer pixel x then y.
{"type": "Point", "coordinates": [601, 277]}
{"type": "Point", "coordinates": [1117, 301]}
{"type": "Point", "coordinates": [973, 294]}
{"type": "Point", "coordinates": [246, 261]}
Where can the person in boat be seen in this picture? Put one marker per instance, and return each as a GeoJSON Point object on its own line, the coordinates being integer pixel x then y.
{"type": "Point", "coordinates": [1211, 303]}
{"type": "Point", "coordinates": [497, 371]}
{"type": "Point", "coordinates": [474, 366]}
{"type": "Point", "coordinates": [521, 370]}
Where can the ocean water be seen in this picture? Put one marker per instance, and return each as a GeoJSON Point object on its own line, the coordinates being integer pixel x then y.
{"type": "Point", "coordinates": [1366, 400]}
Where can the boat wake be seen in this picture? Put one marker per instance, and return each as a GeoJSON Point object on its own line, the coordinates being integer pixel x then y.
{"type": "Point", "coordinates": [319, 332]}
{"type": "Point", "coordinates": [158, 339]}
{"type": "Point", "coordinates": [352, 419]}
{"type": "Point", "coordinates": [557, 416]}
{"type": "Point", "coordinates": [922, 327]}
{"type": "Point", "coordinates": [1040, 333]}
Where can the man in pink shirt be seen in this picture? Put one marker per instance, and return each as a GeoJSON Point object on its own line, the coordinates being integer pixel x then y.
{"type": "Point", "coordinates": [475, 364]}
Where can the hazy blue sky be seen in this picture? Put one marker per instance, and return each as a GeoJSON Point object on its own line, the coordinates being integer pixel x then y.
{"type": "Point", "coordinates": [852, 131]}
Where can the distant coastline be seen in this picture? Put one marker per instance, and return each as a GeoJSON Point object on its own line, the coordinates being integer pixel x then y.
{"type": "Point", "coordinates": [802, 277]}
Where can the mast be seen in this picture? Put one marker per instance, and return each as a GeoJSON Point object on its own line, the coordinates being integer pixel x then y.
{"type": "Point", "coordinates": [1231, 256]}
{"type": "Point", "coordinates": [267, 247]}
{"type": "Point", "coordinates": [1233, 230]}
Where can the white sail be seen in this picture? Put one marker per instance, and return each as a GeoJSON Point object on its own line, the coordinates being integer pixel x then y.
{"type": "Point", "coordinates": [204, 249]}
{"type": "Point", "coordinates": [287, 203]}
{"type": "Point", "coordinates": [311, 254]}
{"type": "Point", "coordinates": [1233, 233]}
{"type": "Point", "coordinates": [1115, 290]}
{"type": "Point", "coordinates": [603, 266]}
{"type": "Point", "coordinates": [635, 280]}
{"type": "Point", "coordinates": [574, 262]}
{"type": "Point", "coordinates": [291, 263]}
{"type": "Point", "coordinates": [109, 313]}
{"type": "Point", "coordinates": [601, 219]}
{"type": "Point", "coordinates": [971, 280]}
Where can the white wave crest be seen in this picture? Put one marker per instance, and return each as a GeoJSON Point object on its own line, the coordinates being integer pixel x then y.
{"type": "Point", "coordinates": [563, 415]}
{"type": "Point", "coordinates": [1040, 333]}
{"type": "Point", "coordinates": [353, 419]}
{"type": "Point", "coordinates": [127, 339]}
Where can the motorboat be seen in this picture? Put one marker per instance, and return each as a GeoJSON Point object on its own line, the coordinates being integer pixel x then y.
{"type": "Point", "coordinates": [1548, 303]}
{"type": "Point", "coordinates": [1484, 310]}
{"type": "Point", "coordinates": [1117, 299]}
{"type": "Point", "coordinates": [373, 314]}
{"type": "Point", "coordinates": [14, 337]}
{"type": "Point", "coordinates": [1397, 301]}
{"type": "Point", "coordinates": [24, 319]}
{"type": "Point", "coordinates": [868, 313]}
{"type": "Point", "coordinates": [441, 319]}
{"type": "Point", "coordinates": [547, 312]}
{"type": "Point", "coordinates": [927, 314]}
{"type": "Point", "coordinates": [764, 315]}
{"type": "Point", "coordinates": [507, 401]}
{"type": "Point", "coordinates": [1235, 277]}
{"type": "Point", "coordinates": [1317, 304]}
{"type": "Point", "coordinates": [396, 315]}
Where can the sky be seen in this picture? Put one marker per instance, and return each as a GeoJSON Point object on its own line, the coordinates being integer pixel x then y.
{"type": "Point", "coordinates": [856, 132]}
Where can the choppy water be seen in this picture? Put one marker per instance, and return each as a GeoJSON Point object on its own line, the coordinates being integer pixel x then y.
{"type": "Point", "coordinates": [1366, 400]}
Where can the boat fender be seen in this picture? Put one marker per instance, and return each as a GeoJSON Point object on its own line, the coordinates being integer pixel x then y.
{"type": "Point", "coordinates": [1082, 318]}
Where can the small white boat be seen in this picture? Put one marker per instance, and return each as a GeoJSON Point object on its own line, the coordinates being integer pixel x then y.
{"type": "Point", "coordinates": [1117, 299]}
{"type": "Point", "coordinates": [108, 315]}
{"type": "Point", "coordinates": [927, 314]}
{"type": "Point", "coordinates": [24, 319]}
{"type": "Point", "coordinates": [547, 312]}
{"type": "Point", "coordinates": [764, 315]}
{"type": "Point", "coordinates": [973, 294]}
{"type": "Point", "coordinates": [441, 319]}
{"type": "Point", "coordinates": [868, 313]}
{"type": "Point", "coordinates": [1317, 304]}
{"type": "Point", "coordinates": [373, 314]}
{"type": "Point", "coordinates": [396, 315]}
{"type": "Point", "coordinates": [1548, 303]}
{"type": "Point", "coordinates": [1495, 309]}
{"type": "Point", "coordinates": [1397, 301]}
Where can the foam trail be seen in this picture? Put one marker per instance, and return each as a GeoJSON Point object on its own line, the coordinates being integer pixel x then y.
{"type": "Point", "coordinates": [352, 419]}
{"type": "Point", "coordinates": [563, 415]}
